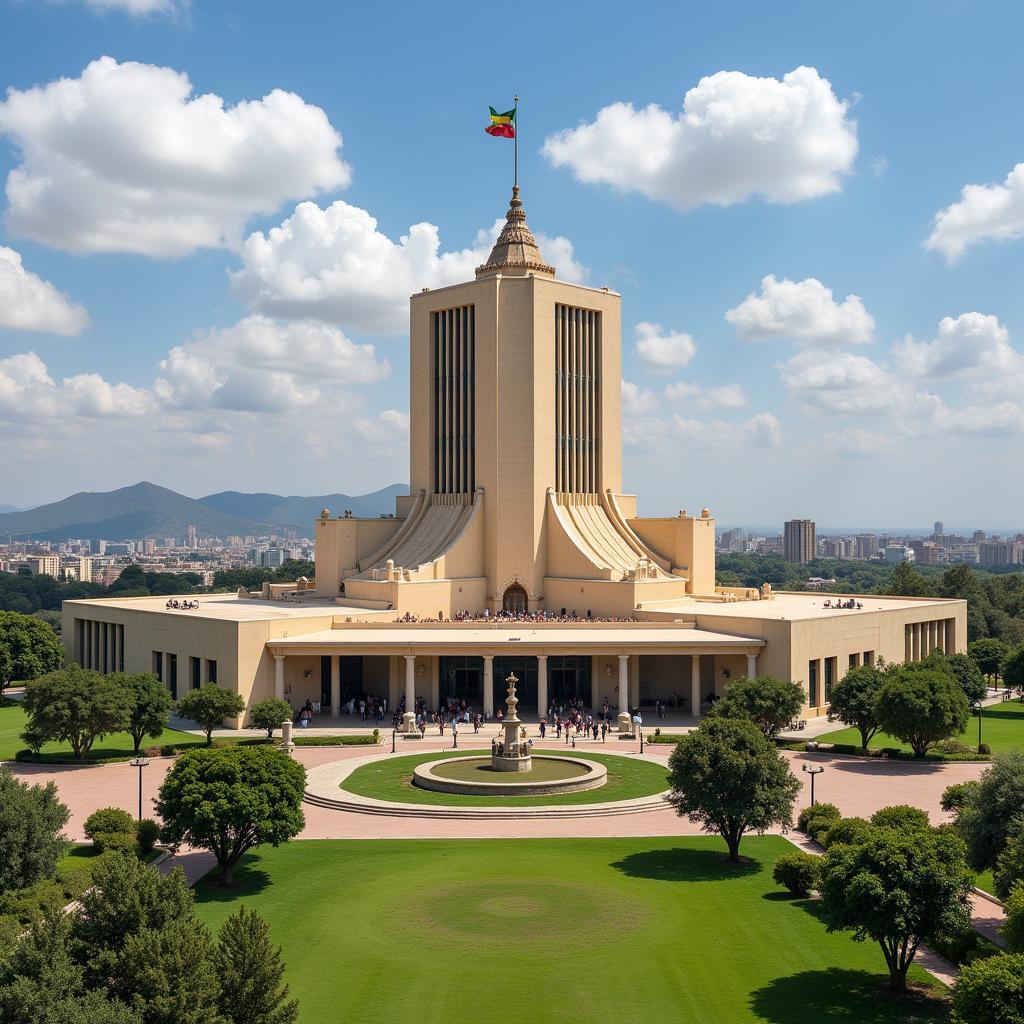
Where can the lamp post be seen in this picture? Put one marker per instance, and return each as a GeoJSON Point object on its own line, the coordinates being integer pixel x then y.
{"type": "Point", "coordinates": [394, 734]}
{"type": "Point", "coordinates": [140, 763]}
{"type": "Point", "coordinates": [812, 772]}
{"type": "Point", "coordinates": [455, 735]}
{"type": "Point", "coordinates": [977, 707]}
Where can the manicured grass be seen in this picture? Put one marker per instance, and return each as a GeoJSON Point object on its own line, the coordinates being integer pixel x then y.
{"type": "Point", "coordinates": [1002, 728]}
{"type": "Point", "coordinates": [661, 931]}
{"type": "Point", "coordinates": [390, 779]}
{"type": "Point", "coordinates": [469, 769]}
{"type": "Point", "coordinates": [12, 724]}
{"type": "Point", "coordinates": [984, 881]}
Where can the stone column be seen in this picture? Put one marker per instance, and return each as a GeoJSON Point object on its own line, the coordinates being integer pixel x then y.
{"type": "Point", "coordinates": [279, 676]}
{"type": "Point", "coordinates": [542, 685]}
{"type": "Point", "coordinates": [695, 684]}
{"type": "Point", "coordinates": [940, 635]}
{"type": "Point", "coordinates": [908, 650]}
{"type": "Point", "coordinates": [409, 718]}
{"type": "Point", "coordinates": [915, 641]}
{"type": "Point", "coordinates": [751, 666]}
{"type": "Point", "coordinates": [623, 682]}
{"type": "Point", "coordinates": [335, 684]}
{"type": "Point", "coordinates": [488, 686]}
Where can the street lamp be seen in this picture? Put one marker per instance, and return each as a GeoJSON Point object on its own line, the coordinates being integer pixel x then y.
{"type": "Point", "coordinates": [394, 734]}
{"type": "Point", "coordinates": [455, 735]}
{"type": "Point", "coordinates": [812, 772]}
{"type": "Point", "coordinates": [140, 763]}
{"type": "Point", "coordinates": [977, 707]}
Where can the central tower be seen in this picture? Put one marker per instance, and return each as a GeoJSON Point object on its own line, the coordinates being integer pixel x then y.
{"type": "Point", "coordinates": [515, 392]}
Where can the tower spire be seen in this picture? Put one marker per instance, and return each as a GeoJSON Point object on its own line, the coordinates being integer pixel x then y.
{"type": "Point", "coordinates": [516, 251]}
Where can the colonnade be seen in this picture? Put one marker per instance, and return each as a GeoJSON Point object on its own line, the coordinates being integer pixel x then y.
{"type": "Point", "coordinates": [99, 645]}
{"type": "Point", "coordinates": [921, 638]}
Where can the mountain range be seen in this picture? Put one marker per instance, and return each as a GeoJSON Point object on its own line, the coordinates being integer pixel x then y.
{"type": "Point", "coordinates": [148, 510]}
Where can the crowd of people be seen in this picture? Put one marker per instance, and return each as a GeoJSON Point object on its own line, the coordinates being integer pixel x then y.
{"type": "Point", "coordinates": [465, 615]}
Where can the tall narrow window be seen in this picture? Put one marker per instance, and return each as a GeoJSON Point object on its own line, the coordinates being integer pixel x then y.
{"type": "Point", "coordinates": [453, 334]}
{"type": "Point", "coordinates": [577, 400]}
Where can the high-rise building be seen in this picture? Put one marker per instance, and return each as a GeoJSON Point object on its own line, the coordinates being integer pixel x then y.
{"type": "Point", "coordinates": [193, 536]}
{"type": "Point", "coordinates": [867, 546]}
{"type": "Point", "coordinates": [97, 547]}
{"type": "Point", "coordinates": [47, 565]}
{"type": "Point", "coordinates": [938, 529]}
{"type": "Point", "coordinates": [1000, 552]}
{"type": "Point", "coordinates": [799, 541]}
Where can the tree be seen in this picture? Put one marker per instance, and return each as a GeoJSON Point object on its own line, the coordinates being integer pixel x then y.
{"type": "Point", "coordinates": [969, 676]}
{"type": "Point", "coordinates": [270, 713]}
{"type": "Point", "coordinates": [1009, 869]}
{"type": "Point", "coordinates": [906, 581]}
{"type": "Point", "coordinates": [209, 706]}
{"type": "Point", "coordinates": [31, 819]}
{"type": "Point", "coordinates": [768, 702]}
{"type": "Point", "coordinates": [1013, 669]}
{"type": "Point", "coordinates": [251, 972]}
{"type": "Point", "coordinates": [231, 800]}
{"type": "Point", "coordinates": [990, 991]}
{"type": "Point", "coordinates": [1013, 927]}
{"type": "Point", "coordinates": [989, 654]}
{"type": "Point", "coordinates": [855, 699]}
{"type": "Point", "coordinates": [28, 648]}
{"type": "Point", "coordinates": [992, 809]}
{"type": "Point", "coordinates": [899, 889]}
{"type": "Point", "coordinates": [76, 706]}
{"type": "Point", "coordinates": [150, 707]}
{"type": "Point", "coordinates": [902, 817]}
{"type": "Point", "coordinates": [921, 707]}
{"type": "Point", "coordinates": [728, 777]}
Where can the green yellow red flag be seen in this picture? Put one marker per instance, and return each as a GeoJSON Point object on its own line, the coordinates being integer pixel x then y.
{"type": "Point", "coordinates": [502, 126]}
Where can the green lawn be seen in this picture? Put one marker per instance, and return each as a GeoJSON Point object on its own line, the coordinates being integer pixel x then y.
{"type": "Point", "coordinates": [1002, 728]}
{"type": "Point", "coordinates": [390, 779]}
{"type": "Point", "coordinates": [983, 880]}
{"type": "Point", "coordinates": [660, 931]}
{"type": "Point", "coordinates": [12, 723]}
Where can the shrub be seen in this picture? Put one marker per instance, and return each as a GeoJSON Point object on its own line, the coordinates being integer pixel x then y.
{"type": "Point", "coordinates": [953, 747]}
{"type": "Point", "coordinates": [10, 929]}
{"type": "Point", "coordinates": [985, 749]}
{"type": "Point", "coordinates": [1013, 927]}
{"type": "Point", "coordinates": [797, 872]}
{"type": "Point", "coordinates": [846, 830]}
{"type": "Point", "coordinates": [902, 817]}
{"type": "Point", "coordinates": [109, 820]}
{"type": "Point", "coordinates": [74, 877]}
{"type": "Point", "coordinates": [1009, 867]}
{"type": "Point", "coordinates": [116, 842]}
{"type": "Point", "coordinates": [822, 814]}
{"type": "Point", "coordinates": [31, 903]}
{"type": "Point", "coordinates": [361, 740]}
{"type": "Point", "coordinates": [990, 991]}
{"type": "Point", "coordinates": [147, 833]}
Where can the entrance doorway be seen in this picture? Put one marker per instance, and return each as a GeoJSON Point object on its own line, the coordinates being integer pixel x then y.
{"type": "Point", "coordinates": [525, 671]}
{"type": "Point", "coordinates": [515, 599]}
{"type": "Point", "coordinates": [462, 678]}
{"type": "Point", "coordinates": [569, 678]}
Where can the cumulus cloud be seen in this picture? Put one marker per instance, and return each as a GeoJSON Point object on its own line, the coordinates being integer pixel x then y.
{"type": "Point", "coordinates": [140, 8]}
{"type": "Point", "coordinates": [655, 433]}
{"type": "Point", "coordinates": [637, 401]}
{"type": "Point", "coordinates": [125, 158]}
{"type": "Point", "coordinates": [992, 420]}
{"type": "Point", "coordinates": [737, 136]}
{"type": "Point", "coordinates": [971, 342]}
{"type": "Point", "coordinates": [842, 382]}
{"type": "Point", "coordinates": [663, 351]}
{"type": "Point", "coordinates": [725, 396]}
{"type": "Point", "coordinates": [334, 264]}
{"type": "Point", "coordinates": [802, 311]}
{"type": "Point", "coordinates": [28, 303]}
{"type": "Point", "coordinates": [984, 213]}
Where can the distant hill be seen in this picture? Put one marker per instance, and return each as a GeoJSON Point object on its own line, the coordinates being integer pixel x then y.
{"type": "Point", "coordinates": [298, 511]}
{"type": "Point", "coordinates": [147, 510]}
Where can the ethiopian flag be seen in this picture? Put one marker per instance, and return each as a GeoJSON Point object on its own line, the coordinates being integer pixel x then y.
{"type": "Point", "coordinates": [503, 126]}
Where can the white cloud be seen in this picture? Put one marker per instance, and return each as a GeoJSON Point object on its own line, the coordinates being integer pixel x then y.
{"type": "Point", "coordinates": [637, 401]}
{"type": "Point", "coordinates": [662, 434]}
{"type": "Point", "coordinates": [334, 264]}
{"type": "Point", "coordinates": [879, 166]}
{"type": "Point", "coordinates": [803, 311]}
{"type": "Point", "coordinates": [125, 158]}
{"type": "Point", "coordinates": [971, 342]}
{"type": "Point", "coordinates": [28, 303]}
{"type": "Point", "coordinates": [842, 382]}
{"type": "Point", "coordinates": [725, 396]}
{"type": "Point", "coordinates": [991, 420]}
{"type": "Point", "coordinates": [661, 351]}
{"type": "Point", "coordinates": [857, 442]}
{"type": "Point", "coordinates": [985, 212]}
{"type": "Point", "coordinates": [737, 136]}
{"type": "Point", "coordinates": [140, 8]}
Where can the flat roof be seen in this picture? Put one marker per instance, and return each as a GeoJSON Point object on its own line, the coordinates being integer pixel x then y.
{"type": "Point", "coordinates": [791, 605]}
{"type": "Point", "coordinates": [226, 606]}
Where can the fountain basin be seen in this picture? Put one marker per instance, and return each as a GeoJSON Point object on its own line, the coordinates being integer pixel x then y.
{"type": "Point", "coordinates": [472, 776]}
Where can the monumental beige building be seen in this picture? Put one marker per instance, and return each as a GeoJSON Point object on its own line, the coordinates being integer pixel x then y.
{"type": "Point", "coordinates": [515, 550]}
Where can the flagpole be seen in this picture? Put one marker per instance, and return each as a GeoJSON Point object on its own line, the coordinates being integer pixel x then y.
{"type": "Point", "coordinates": [515, 146]}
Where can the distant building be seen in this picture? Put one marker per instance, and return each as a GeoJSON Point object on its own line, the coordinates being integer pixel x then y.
{"type": "Point", "coordinates": [867, 546]}
{"type": "Point", "coordinates": [896, 553]}
{"type": "Point", "coordinates": [1000, 552]}
{"type": "Point", "coordinates": [45, 565]}
{"type": "Point", "coordinates": [799, 541]}
{"type": "Point", "coordinates": [979, 536]}
{"type": "Point", "coordinates": [193, 536]}
{"type": "Point", "coordinates": [938, 530]}
{"type": "Point", "coordinates": [97, 547]}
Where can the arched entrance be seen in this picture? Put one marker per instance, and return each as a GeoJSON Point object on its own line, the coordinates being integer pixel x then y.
{"type": "Point", "coordinates": [515, 599]}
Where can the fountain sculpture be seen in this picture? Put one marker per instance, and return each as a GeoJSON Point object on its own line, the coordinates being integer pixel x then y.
{"type": "Point", "coordinates": [512, 752]}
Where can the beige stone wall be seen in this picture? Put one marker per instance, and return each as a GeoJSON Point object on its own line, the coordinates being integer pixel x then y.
{"type": "Point", "coordinates": [342, 543]}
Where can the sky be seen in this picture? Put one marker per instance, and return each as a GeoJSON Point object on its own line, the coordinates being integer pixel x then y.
{"type": "Point", "coordinates": [214, 213]}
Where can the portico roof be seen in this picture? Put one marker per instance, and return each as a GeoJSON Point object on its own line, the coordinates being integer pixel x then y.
{"type": "Point", "coordinates": [624, 638]}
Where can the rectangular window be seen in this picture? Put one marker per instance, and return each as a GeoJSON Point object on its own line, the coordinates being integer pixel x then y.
{"type": "Point", "coordinates": [453, 333]}
{"type": "Point", "coordinates": [158, 665]}
{"type": "Point", "coordinates": [830, 677]}
{"type": "Point", "coordinates": [854, 660]}
{"type": "Point", "coordinates": [193, 671]}
{"type": "Point", "coordinates": [577, 400]}
{"type": "Point", "coordinates": [812, 684]}
{"type": "Point", "coordinates": [869, 658]}
{"type": "Point", "coordinates": [211, 670]}
{"type": "Point", "coordinates": [172, 675]}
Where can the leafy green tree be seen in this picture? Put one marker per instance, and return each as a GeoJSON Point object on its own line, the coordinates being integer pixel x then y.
{"type": "Point", "coordinates": [270, 713]}
{"type": "Point", "coordinates": [992, 810]}
{"type": "Point", "coordinates": [990, 991]}
{"type": "Point", "coordinates": [957, 796]}
{"type": "Point", "coordinates": [768, 702]}
{"type": "Point", "coordinates": [209, 706]}
{"type": "Point", "coordinates": [899, 889]}
{"type": "Point", "coordinates": [76, 706]}
{"type": "Point", "coordinates": [1013, 927]}
{"type": "Point", "coordinates": [906, 581]}
{"type": "Point", "coordinates": [1009, 869]}
{"type": "Point", "coordinates": [921, 707]}
{"type": "Point", "coordinates": [28, 648]}
{"type": "Point", "coordinates": [988, 654]}
{"type": "Point", "coordinates": [969, 676]}
{"type": "Point", "coordinates": [150, 707]}
{"type": "Point", "coordinates": [855, 699]}
{"type": "Point", "coordinates": [251, 973]}
{"type": "Point", "coordinates": [1013, 669]}
{"type": "Point", "coordinates": [729, 778]}
{"type": "Point", "coordinates": [31, 843]}
{"type": "Point", "coordinates": [231, 800]}
{"type": "Point", "coordinates": [902, 817]}
{"type": "Point", "coordinates": [109, 820]}
{"type": "Point", "coordinates": [168, 974]}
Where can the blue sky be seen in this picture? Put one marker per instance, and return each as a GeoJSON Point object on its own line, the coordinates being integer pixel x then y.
{"type": "Point", "coordinates": [800, 404]}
